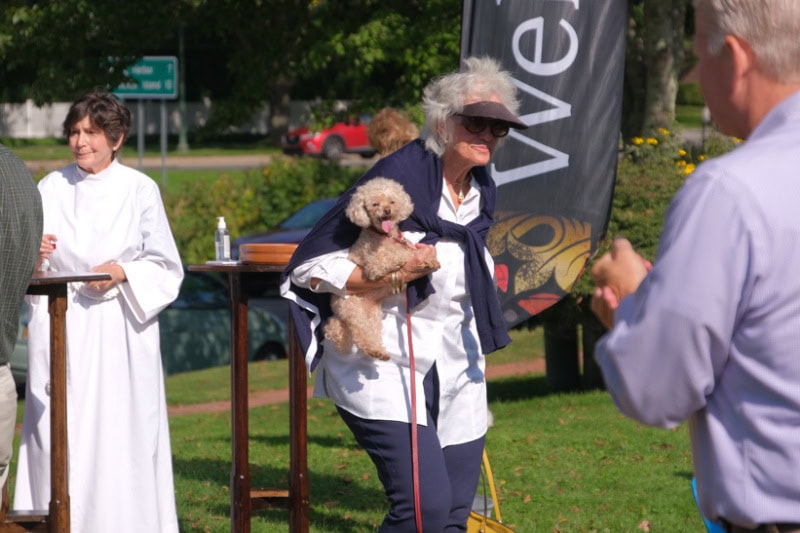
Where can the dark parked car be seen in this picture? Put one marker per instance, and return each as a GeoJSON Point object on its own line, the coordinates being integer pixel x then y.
{"type": "Point", "coordinates": [195, 329]}
{"type": "Point", "coordinates": [290, 230]}
{"type": "Point", "coordinates": [19, 358]}
{"type": "Point", "coordinates": [347, 137]}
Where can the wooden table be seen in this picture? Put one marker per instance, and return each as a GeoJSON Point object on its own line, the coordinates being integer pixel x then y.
{"type": "Point", "coordinates": [242, 277]}
{"type": "Point", "coordinates": [56, 519]}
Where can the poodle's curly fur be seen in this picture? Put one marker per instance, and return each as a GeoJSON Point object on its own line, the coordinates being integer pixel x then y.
{"type": "Point", "coordinates": [377, 206]}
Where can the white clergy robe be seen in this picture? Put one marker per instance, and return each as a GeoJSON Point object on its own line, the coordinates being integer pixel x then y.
{"type": "Point", "coordinates": [120, 464]}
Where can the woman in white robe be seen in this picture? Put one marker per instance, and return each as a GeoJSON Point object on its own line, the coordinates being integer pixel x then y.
{"type": "Point", "coordinates": [103, 216]}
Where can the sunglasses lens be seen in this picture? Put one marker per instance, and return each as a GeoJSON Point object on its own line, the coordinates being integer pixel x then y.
{"type": "Point", "coordinates": [479, 124]}
{"type": "Point", "coordinates": [499, 129]}
{"type": "Point", "coordinates": [475, 124]}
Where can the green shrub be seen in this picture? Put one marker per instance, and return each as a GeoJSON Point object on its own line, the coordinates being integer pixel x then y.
{"type": "Point", "coordinates": [689, 94]}
{"type": "Point", "coordinates": [718, 144]}
{"type": "Point", "coordinates": [287, 184]}
{"type": "Point", "coordinates": [257, 203]}
{"type": "Point", "coordinates": [650, 171]}
{"type": "Point", "coordinates": [192, 213]}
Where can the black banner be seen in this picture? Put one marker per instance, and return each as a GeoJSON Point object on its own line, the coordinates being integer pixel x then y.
{"type": "Point", "coordinates": [555, 179]}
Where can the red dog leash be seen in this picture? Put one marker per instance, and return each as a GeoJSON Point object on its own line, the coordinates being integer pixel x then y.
{"type": "Point", "coordinates": [414, 440]}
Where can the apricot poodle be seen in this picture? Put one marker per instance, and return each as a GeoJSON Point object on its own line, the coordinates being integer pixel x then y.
{"type": "Point", "coordinates": [377, 206]}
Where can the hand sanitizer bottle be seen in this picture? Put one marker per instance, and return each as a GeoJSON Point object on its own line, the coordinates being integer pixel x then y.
{"type": "Point", "coordinates": [222, 240]}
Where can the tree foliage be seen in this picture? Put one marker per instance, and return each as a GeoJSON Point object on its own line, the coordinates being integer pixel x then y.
{"type": "Point", "coordinates": [241, 55]}
{"type": "Point", "coordinates": [54, 50]}
{"type": "Point", "coordinates": [386, 52]}
{"type": "Point", "coordinates": [259, 202]}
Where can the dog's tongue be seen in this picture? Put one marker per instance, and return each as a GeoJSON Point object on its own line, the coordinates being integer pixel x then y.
{"type": "Point", "coordinates": [387, 226]}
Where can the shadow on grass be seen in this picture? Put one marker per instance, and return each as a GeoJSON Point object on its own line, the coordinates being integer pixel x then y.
{"type": "Point", "coordinates": [517, 388]}
{"type": "Point", "coordinates": [323, 441]}
{"type": "Point", "coordinates": [344, 497]}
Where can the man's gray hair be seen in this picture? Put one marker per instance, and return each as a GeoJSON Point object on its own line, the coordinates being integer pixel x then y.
{"type": "Point", "coordinates": [770, 27]}
{"type": "Point", "coordinates": [480, 79]}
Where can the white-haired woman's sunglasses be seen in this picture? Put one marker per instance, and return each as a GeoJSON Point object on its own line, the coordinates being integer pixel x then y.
{"type": "Point", "coordinates": [498, 128]}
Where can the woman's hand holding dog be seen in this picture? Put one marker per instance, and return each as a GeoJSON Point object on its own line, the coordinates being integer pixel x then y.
{"type": "Point", "coordinates": [422, 263]}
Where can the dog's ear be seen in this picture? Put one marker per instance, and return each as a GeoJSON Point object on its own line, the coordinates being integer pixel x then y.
{"type": "Point", "coordinates": [356, 211]}
{"type": "Point", "coordinates": [406, 206]}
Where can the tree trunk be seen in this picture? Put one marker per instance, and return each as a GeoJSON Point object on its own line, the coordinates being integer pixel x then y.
{"type": "Point", "coordinates": [591, 331]}
{"type": "Point", "coordinates": [664, 22]}
{"type": "Point", "coordinates": [561, 357]}
{"type": "Point", "coordinates": [653, 59]}
{"type": "Point", "coordinates": [634, 86]}
{"type": "Point", "coordinates": [279, 108]}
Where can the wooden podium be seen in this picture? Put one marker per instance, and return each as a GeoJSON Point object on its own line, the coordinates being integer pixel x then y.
{"type": "Point", "coordinates": [242, 277]}
{"type": "Point", "coordinates": [56, 518]}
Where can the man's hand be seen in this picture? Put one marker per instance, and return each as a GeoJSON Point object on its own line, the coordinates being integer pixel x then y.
{"type": "Point", "coordinates": [616, 274]}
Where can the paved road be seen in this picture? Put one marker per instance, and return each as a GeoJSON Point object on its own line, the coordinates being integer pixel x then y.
{"type": "Point", "coordinates": [259, 398]}
{"type": "Point", "coordinates": [691, 135]}
{"type": "Point", "coordinates": [175, 162]}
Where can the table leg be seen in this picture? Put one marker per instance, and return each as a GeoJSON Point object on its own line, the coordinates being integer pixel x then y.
{"type": "Point", "coordinates": [59, 460]}
{"type": "Point", "coordinates": [298, 451]}
{"type": "Point", "coordinates": [241, 507]}
{"type": "Point", "coordinates": [241, 502]}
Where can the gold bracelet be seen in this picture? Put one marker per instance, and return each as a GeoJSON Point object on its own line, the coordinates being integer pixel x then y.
{"type": "Point", "coordinates": [396, 283]}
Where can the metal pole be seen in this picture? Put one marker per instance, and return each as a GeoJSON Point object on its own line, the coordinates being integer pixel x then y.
{"type": "Point", "coordinates": [183, 143]}
{"type": "Point", "coordinates": [140, 130]}
{"type": "Point", "coordinates": [163, 143]}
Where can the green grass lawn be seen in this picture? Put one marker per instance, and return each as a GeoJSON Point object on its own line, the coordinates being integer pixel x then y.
{"type": "Point", "coordinates": [562, 462]}
{"type": "Point", "coordinates": [178, 179]}
{"type": "Point", "coordinates": [213, 384]}
{"type": "Point", "coordinates": [57, 148]}
{"type": "Point", "coordinates": [689, 116]}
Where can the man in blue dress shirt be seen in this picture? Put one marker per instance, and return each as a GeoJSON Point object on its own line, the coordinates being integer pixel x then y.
{"type": "Point", "coordinates": [711, 334]}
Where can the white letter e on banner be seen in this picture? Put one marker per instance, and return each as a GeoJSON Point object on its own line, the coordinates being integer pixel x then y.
{"type": "Point", "coordinates": [536, 66]}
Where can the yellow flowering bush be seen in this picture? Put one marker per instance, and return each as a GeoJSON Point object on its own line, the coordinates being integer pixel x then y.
{"type": "Point", "coordinates": [718, 144]}
{"type": "Point", "coordinates": [659, 149]}
{"type": "Point", "coordinates": [665, 149]}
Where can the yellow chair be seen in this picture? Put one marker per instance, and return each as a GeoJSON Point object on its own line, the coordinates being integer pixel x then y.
{"type": "Point", "coordinates": [481, 523]}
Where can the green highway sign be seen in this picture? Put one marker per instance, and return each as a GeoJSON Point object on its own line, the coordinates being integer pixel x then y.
{"type": "Point", "coordinates": [154, 77]}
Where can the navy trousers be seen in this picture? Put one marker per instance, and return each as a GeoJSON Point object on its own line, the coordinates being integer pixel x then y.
{"type": "Point", "coordinates": [448, 476]}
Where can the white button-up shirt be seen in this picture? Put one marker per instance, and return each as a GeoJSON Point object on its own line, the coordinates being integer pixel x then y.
{"type": "Point", "coordinates": [444, 333]}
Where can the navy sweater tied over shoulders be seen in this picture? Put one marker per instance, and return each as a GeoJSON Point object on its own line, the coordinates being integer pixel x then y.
{"type": "Point", "coordinates": [420, 172]}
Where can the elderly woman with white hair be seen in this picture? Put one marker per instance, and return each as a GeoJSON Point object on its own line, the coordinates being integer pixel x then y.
{"type": "Point", "coordinates": [439, 325]}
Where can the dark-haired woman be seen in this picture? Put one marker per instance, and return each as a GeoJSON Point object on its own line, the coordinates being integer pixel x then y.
{"type": "Point", "coordinates": [102, 216]}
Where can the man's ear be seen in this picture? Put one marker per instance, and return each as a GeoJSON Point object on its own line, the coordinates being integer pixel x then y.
{"type": "Point", "coordinates": [743, 60]}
